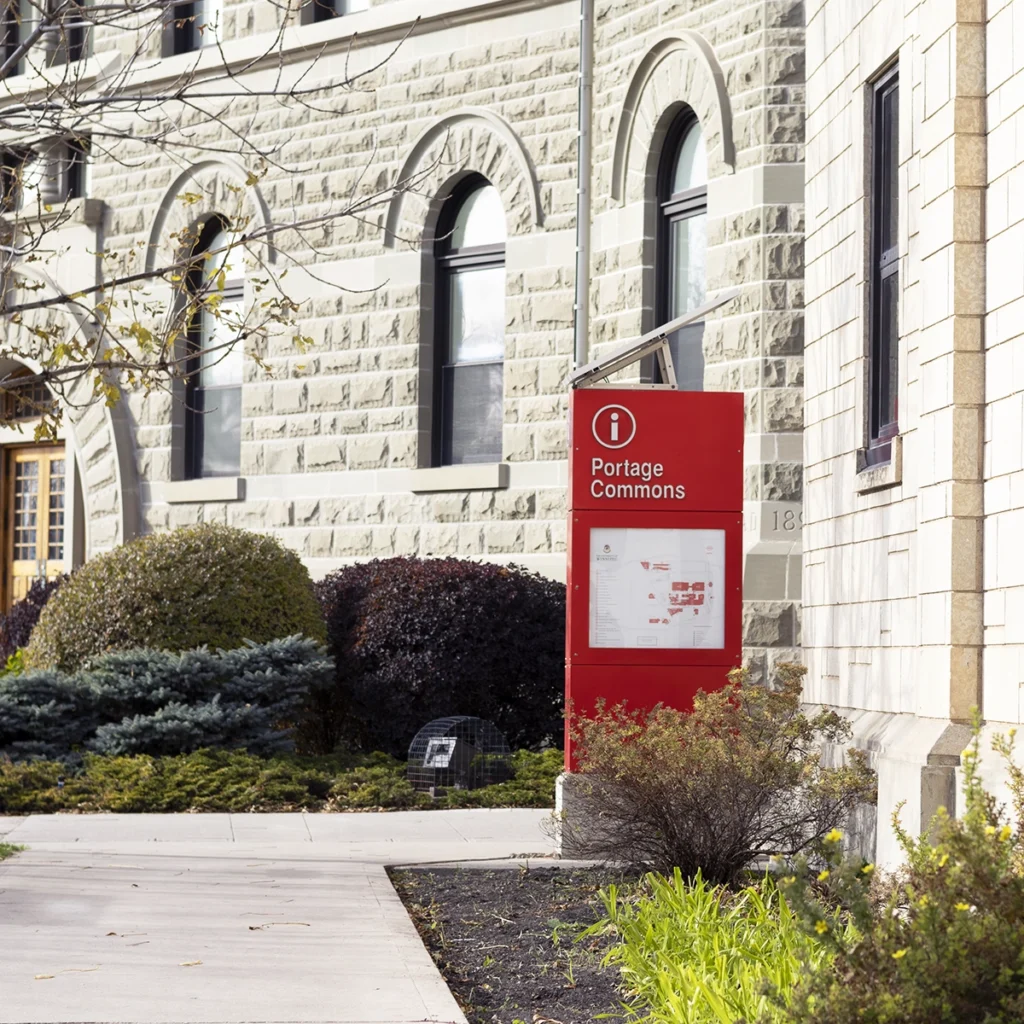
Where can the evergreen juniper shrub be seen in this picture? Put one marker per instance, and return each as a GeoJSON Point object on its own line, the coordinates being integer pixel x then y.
{"type": "Point", "coordinates": [210, 584]}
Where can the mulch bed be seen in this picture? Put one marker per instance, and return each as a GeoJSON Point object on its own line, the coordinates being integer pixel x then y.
{"type": "Point", "coordinates": [504, 941]}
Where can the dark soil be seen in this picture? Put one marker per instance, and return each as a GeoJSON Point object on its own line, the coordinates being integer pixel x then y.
{"type": "Point", "coordinates": [505, 941]}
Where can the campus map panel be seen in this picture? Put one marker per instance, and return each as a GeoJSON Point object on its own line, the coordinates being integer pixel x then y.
{"type": "Point", "coordinates": [661, 589]}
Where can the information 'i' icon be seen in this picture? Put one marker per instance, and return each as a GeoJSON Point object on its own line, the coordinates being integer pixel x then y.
{"type": "Point", "coordinates": [615, 426]}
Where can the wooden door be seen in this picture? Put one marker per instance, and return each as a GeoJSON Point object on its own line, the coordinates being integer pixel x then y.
{"type": "Point", "coordinates": [34, 517]}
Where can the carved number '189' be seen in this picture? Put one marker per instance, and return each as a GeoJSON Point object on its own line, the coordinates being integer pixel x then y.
{"type": "Point", "coordinates": [788, 520]}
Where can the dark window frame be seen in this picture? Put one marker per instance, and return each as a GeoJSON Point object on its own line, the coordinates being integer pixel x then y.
{"type": "Point", "coordinates": [76, 169]}
{"type": "Point", "coordinates": [672, 207]}
{"type": "Point", "coordinates": [181, 28]}
{"type": "Point", "coordinates": [11, 28]}
{"type": "Point", "coordinates": [449, 262]}
{"type": "Point", "coordinates": [883, 349]}
{"type": "Point", "coordinates": [319, 10]}
{"type": "Point", "coordinates": [12, 171]}
{"type": "Point", "coordinates": [195, 392]}
{"type": "Point", "coordinates": [72, 45]}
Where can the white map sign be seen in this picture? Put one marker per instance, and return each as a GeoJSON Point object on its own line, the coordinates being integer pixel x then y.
{"type": "Point", "coordinates": [657, 588]}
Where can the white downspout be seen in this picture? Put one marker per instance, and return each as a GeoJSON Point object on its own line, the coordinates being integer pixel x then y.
{"type": "Point", "coordinates": [581, 318]}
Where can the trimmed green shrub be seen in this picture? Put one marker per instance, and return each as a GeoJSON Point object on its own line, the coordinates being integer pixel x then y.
{"type": "Point", "coordinates": [234, 780]}
{"type": "Point", "coordinates": [17, 625]}
{"type": "Point", "coordinates": [157, 702]}
{"type": "Point", "coordinates": [203, 585]}
{"type": "Point", "coordinates": [417, 639]}
{"type": "Point", "coordinates": [711, 790]}
{"type": "Point", "coordinates": [693, 952]}
{"type": "Point", "coordinates": [940, 942]}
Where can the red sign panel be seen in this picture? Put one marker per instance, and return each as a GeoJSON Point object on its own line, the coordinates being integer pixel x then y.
{"type": "Point", "coordinates": [656, 450]}
{"type": "Point", "coordinates": [655, 546]}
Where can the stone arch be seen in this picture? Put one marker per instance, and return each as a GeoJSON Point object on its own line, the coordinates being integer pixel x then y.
{"type": "Point", "coordinates": [222, 184]}
{"type": "Point", "coordinates": [680, 69]}
{"type": "Point", "coordinates": [101, 437]}
{"type": "Point", "coordinates": [470, 139]}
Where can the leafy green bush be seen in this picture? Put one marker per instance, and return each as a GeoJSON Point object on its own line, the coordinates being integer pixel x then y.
{"type": "Point", "coordinates": [235, 781]}
{"type": "Point", "coordinates": [156, 702]}
{"type": "Point", "coordinates": [211, 585]}
{"type": "Point", "coordinates": [418, 639]}
{"type": "Point", "coordinates": [692, 953]}
{"type": "Point", "coordinates": [942, 942]}
{"type": "Point", "coordinates": [738, 777]}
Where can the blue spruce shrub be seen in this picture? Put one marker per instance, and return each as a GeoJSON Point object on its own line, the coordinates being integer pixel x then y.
{"type": "Point", "coordinates": [158, 702]}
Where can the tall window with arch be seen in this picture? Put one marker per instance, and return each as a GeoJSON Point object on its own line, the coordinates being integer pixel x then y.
{"type": "Point", "coordinates": [213, 392]}
{"type": "Point", "coordinates": [682, 244]}
{"type": "Point", "coordinates": [469, 253]}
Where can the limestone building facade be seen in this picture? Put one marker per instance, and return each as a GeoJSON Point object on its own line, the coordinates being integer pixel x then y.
{"type": "Point", "coordinates": [914, 571]}
{"type": "Point", "coordinates": [428, 415]}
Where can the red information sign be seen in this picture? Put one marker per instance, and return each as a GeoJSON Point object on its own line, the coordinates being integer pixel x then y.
{"type": "Point", "coordinates": [655, 546]}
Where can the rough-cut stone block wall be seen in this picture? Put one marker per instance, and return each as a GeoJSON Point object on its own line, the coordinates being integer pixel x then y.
{"type": "Point", "coordinates": [653, 59]}
{"type": "Point", "coordinates": [331, 435]}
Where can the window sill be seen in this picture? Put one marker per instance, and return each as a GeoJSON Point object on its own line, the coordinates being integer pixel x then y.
{"type": "Point", "coordinates": [211, 488]}
{"type": "Point", "coordinates": [83, 210]}
{"type": "Point", "coordinates": [883, 475]}
{"type": "Point", "coordinates": [486, 477]}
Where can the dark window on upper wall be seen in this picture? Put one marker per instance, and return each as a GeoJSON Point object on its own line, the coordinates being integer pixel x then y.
{"type": "Point", "coordinates": [682, 244]}
{"type": "Point", "coordinates": [185, 26]}
{"type": "Point", "coordinates": [320, 10]}
{"type": "Point", "coordinates": [213, 393]}
{"type": "Point", "coordinates": [12, 173]}
{"type": "Point", "coordinates": [72, 43]}
{"type": "Point", "coordinates": [19, 17]}
{"type": "Point", "coordinates": [470, 326]}
{"type": "Point", "coordinates": [76, 161]}
{"type": "Point", "coordinates": [883, 347]}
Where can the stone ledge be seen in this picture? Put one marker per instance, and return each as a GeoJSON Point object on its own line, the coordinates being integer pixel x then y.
{"type": "Point", "coordinates": [883, 476]}
{"type": "Point", "coordinates": [489, 477]}
{"type": "Point", "coordinates": [211, 488]}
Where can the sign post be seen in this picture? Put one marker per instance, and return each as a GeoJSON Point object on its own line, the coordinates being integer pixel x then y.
{"type": "Point", "coordinates": [655, 556]}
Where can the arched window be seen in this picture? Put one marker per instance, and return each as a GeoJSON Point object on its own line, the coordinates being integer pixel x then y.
{"type": "Point", "coordinates": [682, 241]}
{"type": "Point", "coordinates": [213, 393]}
{"type": "Point", "coordinates": [470, 326]}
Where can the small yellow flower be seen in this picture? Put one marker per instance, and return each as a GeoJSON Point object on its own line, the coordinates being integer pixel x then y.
{"type": "Point", "coordinates": [899, 954]}
{"type": "Point", "coordinates": [963, 906]}
{"type": "Point", "coordinates": [789, 880]}
{"type": "Point", "coordinates": [943, 859]}
{"type": "Point", "coordinates": [823, 876]}
{"type": "Point", "coordinates": [1004, 833]}
{"type": "Point", "coordinates": [868, 868]}
{"type": "Point", "coordinates": [834, 836]}
{"type": "Point", "coordinates": [821, 927]}
{"type": "Point", "coordinates": [990, 830]}
{"type": "Point", "coordinates": [1013, 732]}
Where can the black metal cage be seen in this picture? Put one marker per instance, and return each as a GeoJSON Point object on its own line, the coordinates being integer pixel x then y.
{"type": "Point", "coordinates": [458, 753]}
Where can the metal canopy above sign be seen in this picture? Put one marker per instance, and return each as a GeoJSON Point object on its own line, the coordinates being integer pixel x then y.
{"type": "Point", "coordinates": [654, 343]}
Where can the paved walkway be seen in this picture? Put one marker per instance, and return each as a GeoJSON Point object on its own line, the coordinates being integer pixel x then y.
{"type": "Point", "coordinates": [230, 918]}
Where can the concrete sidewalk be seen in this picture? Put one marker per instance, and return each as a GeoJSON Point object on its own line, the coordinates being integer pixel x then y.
{"type": "Point", "coordinates": [230, 919]}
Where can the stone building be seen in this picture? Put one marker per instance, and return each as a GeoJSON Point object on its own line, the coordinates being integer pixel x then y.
{"type": "Point", "coordinates": [913, 562]}
{"type": "Point", "coordinates": [429, 415]}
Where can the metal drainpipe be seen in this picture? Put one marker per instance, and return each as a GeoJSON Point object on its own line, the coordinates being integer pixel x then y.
{"type": "Point", "coordinates": [581, 319]}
